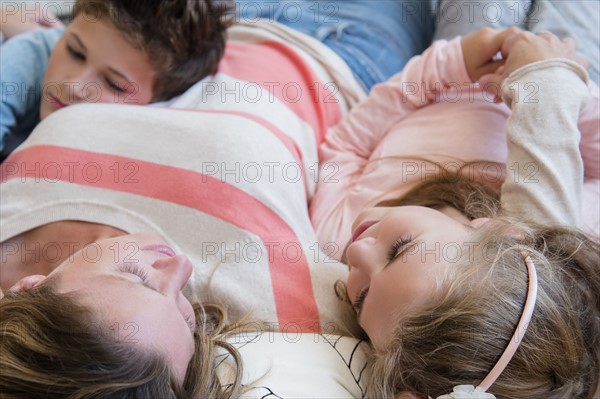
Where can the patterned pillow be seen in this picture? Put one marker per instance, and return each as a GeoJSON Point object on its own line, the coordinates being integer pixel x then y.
{"type": "Point", "coordinates": [279, 365]}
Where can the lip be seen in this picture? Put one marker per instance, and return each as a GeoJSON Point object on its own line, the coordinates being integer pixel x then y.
{"type": "Point", "coordinates": [361, 229]}
{"type": "Point", "coordinates": [56, 103]}
{"type": "Point", "coordinates": [163, 249]}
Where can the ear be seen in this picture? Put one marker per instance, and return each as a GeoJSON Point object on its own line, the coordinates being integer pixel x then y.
{"type": "Point", "coordinates": [27, 283]}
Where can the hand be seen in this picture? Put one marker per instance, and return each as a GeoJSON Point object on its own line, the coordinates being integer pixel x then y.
{"type": "Point", "coordinates": [480, 47]}
{"type": "Point", "coordinates": [525, 48]}
{"type": "Point", "coordinates": [15, 21]}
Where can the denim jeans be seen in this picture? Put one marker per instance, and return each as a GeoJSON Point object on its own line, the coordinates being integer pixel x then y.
{"type": "Point", "coordinates": [374, 37]}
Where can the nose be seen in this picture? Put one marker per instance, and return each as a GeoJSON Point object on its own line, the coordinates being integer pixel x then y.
{"type": "Point", "coordinates": [174, 272]}
{"type": "Point", "coordinates": [361, 255]}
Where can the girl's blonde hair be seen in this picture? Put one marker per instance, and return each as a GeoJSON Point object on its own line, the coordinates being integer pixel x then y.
{"type": "Point", "coordinates": [50, 347]}
{"type": "Point", "coordinates": [458, 338]}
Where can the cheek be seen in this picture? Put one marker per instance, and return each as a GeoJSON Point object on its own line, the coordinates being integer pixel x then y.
{"type": "Point", "coordinates": [142, 97]}
{"type": "Point", "coordinates": [144, 90]}
{"type": "Point", "coordinates": [58, 64]}
{"type": "Point", "coordinates": [139, 95]}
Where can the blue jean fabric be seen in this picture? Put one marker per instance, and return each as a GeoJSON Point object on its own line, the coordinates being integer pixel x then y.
{"type": "Point", "coordinates": [374, 37]}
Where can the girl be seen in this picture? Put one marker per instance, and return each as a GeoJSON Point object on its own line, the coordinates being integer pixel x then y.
{"type": "Point", "coordinates": [442, 286]}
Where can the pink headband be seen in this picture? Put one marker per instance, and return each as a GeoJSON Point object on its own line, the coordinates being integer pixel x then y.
{"type": "Point", "coordinates": [514, 343]}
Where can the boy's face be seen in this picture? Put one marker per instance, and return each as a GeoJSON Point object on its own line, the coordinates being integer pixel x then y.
{"type": "Point", "coordinates": [92, 62]}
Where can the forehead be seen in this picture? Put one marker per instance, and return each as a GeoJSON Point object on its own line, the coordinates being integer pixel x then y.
{"type": "Point", "coordinates": [103, 29]}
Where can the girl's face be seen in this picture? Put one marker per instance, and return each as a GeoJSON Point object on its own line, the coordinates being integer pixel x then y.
{"type": "Point", "coordinates": [398, 256]}
{"type": "Point", "coordinates": [133, 285]}
{"type": "Point", "coordinates": [93, 62]}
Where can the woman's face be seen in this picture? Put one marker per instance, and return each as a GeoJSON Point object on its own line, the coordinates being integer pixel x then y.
{"type": "Point", "coordinates": [133, 284]}
{"type": "Point", "coordinates": [397, 257]}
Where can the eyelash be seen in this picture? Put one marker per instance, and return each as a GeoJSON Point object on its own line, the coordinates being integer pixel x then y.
{"type": "Point", "coordinates": [75, 54]}
{"type": "Point", "coordinates": [360, 298]}
{"type": "Point", "coordinates": [114, 86]}
{"type": "Point", "coordinates": [136, 270]}
{"type": "Point", "coordinates": [188, 319]}
{"type": "Point", "coordinates": [398, 247]}
{"type": "Point", "coordinates": [143, 275]}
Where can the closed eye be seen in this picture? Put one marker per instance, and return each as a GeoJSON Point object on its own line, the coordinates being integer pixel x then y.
{"type": "Point", "coordinates": [132, 268]}
{"type": "Point", "coordinates": [75, 54]}
{"type": "Point", "coordinates": [114, 86]}
{"type": "Point", "coordinates": [398, 248]}
{"type": "Point", "coordinates": [190, 323]}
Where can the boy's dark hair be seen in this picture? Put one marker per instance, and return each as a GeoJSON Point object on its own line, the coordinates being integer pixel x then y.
{"type": "Point", "coordinates": [184, 39]}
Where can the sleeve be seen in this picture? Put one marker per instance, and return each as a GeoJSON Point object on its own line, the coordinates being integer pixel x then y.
{"type": "Point", "coordinates": [23, 63]}
{"type": "Point", "coordinates": [589, 126]}
{"type": "Point", "coordinates": [545, 181]}
{"type": "Point", "coordinates": [348, 146]}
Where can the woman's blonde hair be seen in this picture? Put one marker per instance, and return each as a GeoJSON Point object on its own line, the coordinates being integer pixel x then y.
{"type": "Point", "coordinates": [460, 335]}
{"type": "Point", "coordinates": [50, 347]}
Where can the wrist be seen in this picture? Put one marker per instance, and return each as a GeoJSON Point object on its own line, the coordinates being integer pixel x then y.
{"type": "Point", "coordinates": [542, 80]}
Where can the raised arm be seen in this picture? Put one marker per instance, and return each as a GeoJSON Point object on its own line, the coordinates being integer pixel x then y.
{"type": "Point", "coordinates": [589, 126]}
{"type": "Point", "coordinates": [349, 145]}
{"type": "Point", "coordinates": [546, 89]}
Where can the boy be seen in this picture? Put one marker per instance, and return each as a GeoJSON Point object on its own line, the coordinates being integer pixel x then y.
{"type": "Point", "coordinates": [113, 51]}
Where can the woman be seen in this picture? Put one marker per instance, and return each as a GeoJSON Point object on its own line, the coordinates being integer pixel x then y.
{"type": "Point", "coordinates": [224, 176]}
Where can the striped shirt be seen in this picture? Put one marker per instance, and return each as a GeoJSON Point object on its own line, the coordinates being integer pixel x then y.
{"type": "Point", "coordinates": [223, 173]}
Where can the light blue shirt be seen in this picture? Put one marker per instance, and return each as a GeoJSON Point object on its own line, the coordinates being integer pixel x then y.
{"type": "Point", "coordinates": [23, 63]}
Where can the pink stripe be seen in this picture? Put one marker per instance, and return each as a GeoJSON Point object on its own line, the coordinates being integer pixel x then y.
{"type": "Point", "coordinates": [292, 286]}
{"type": "Point", "coordinates": [283, 73]}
